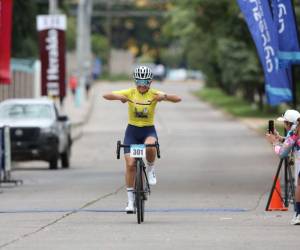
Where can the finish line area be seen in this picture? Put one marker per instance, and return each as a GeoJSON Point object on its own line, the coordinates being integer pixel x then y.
{"type": "Point", "coordinates": [151, 210]}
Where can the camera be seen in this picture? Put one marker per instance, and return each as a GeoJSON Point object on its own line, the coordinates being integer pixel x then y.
{"type": "Point", "coordinates": [271, 127]}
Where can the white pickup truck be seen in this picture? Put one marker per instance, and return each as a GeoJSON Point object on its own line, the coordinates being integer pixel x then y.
{"type": "Point", "coordinates": [37, 131]}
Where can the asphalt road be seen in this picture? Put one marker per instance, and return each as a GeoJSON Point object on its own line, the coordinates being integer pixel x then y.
{"type": "Point", "coordinates": [213, 182]}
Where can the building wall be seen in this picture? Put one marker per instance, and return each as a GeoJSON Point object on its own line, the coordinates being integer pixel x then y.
{"type": "Point", "coordinates": [121, 62]}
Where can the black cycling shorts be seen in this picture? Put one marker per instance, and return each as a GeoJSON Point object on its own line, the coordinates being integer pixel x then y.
{"type": "Point", "coordinates": [138, 135]}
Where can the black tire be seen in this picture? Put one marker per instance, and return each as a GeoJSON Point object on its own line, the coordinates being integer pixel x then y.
{"type": "Point", "coordinates": [54, 156]}
{"type": "Point", "coordinates": [143, 210]}
{"type": "Point", "coordinates": [142, 195]}
{"type": "Point", "coordinates": [139, 193]}
{"type": "Point", "coordinates": [53, 163]}
{"type": "Point", "coordinates": [65, 158]}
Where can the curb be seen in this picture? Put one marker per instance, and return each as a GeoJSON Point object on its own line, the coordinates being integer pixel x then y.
{"type": "Point", "coordinates": [76, 127]}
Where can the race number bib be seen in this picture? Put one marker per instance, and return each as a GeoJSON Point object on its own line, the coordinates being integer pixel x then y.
{"type": "Point", "coordinates": [138, 151]}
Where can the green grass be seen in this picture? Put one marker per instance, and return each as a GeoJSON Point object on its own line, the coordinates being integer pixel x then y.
{"type": "Point", "coordinates": [238, 107]}
{"type": "Point", "coordinates": [233, 105]}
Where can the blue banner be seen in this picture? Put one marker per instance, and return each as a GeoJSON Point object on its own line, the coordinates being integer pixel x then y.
{"type": "Point", "coordinates": [288, 42]}
{"type": "Point", "coordinates": [260, 22]}
{"type": "Point", "coordinates": [284, 21]}
{"type": "Point", "coordinates": [284, 18]}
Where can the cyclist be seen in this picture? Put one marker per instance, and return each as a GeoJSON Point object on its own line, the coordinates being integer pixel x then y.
{"type": "Point", "coordinates": [142, 100]}
{"type": "Point", "coordinates": [284, 145]}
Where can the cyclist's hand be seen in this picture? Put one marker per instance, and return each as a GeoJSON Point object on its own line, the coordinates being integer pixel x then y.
{"type": "Point", "coordinates": [271, 138]}
{"type": "Point", "coordinates": [124, 99]}
{"type": "Point", "coordinates": [159, 97]}
{"type": "Point", "coordinates": [278, 136]}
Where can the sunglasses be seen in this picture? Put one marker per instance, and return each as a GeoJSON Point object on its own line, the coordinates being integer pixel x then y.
{"type": "Point", "coordinates": [142, 82]}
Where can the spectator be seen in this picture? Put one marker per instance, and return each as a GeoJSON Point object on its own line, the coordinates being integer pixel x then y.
{"type": "Point", "coordinates": [73, 83]}
{"type": "Point", "coordinates": [97, 68]}
{"type": "Point", "coordinates": [284, 145]}
{"type": "Point", "coordinates": [88, 84]}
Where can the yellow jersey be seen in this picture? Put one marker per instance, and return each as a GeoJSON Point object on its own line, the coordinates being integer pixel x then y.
{"type": "Point", "coordinates": [141, 107]}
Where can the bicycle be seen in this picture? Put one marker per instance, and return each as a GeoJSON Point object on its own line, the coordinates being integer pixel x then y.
{"type": "Point", "coordinates": [142, 187]}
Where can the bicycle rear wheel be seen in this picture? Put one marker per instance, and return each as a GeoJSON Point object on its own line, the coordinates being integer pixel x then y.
{"type": "Point", "coordinates": [139, 201]}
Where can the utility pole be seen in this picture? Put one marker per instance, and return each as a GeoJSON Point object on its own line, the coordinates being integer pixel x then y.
{"type": "Point", "coordinates": [109, 32]}
{"type": "Point", "coordinates": [84, 55]}
{"type": "Point", "coordinates": [53, 7]}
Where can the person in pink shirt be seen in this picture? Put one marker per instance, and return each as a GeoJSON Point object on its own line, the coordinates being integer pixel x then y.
{"type": "Point", "coordinates": [283, 146]}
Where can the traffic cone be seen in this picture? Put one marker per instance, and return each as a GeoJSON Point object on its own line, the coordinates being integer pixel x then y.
{"type": "Point", "coordinates": [276, 203]}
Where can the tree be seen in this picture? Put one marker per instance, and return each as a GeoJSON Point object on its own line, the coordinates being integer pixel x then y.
{"type": "Point", "coordinates": [100, 47]}
{"type": "Point", "coordinates": [24, 34]}
{"type": "Point", "coordinates": [216, 40]}
{"type": "Point", "coordinates": [71, 34]}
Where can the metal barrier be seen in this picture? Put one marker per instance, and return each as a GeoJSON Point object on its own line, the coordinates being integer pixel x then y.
{"type": "Point", "coordinates": [5, 157]}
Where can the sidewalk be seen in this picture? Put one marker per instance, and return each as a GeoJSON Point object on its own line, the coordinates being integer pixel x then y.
{"type": "Point", "coordinates": [78, 110]}
{"type": "Point", "coordinates": [256, 124]}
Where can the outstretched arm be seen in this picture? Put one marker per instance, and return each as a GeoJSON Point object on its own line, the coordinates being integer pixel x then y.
{"type": "Point", "coordinates": [117, 97]}
{"type": "Point", "coordinates": [283, 150]}
{"type": "Point", "coordinates": [167, 97]}
{"type": "Point", "coordinates": [172, 98]}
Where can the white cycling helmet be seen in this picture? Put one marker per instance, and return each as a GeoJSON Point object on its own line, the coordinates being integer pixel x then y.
{"type": "Point", "coordinates": [142, 73]}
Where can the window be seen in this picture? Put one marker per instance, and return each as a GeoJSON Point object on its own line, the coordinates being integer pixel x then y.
{"type": "Point", "coordinates": [26, 111]}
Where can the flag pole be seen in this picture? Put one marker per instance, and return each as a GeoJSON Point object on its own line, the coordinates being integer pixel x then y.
{"type": "Point", "coordinates": [293, 66]}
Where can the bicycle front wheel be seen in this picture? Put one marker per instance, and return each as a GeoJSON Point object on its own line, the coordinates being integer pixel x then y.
{"type": "Point", "coordinates": [139, 201]}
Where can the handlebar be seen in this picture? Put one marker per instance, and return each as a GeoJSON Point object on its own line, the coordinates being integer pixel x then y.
{"type": "Point", "coordinates": [119, 146]}
{"type": "Point", "coordinates": [140, 103]}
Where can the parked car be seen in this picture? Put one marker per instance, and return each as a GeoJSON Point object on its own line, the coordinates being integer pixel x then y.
{"type": "Point", "coordinates": [177, 75]}
{"type": "Point", "coordinates": [182, 74]}
{"type": "Point", "coordinates": [159, 72]}
{"type": "Point", "coordinates": [37, 131]}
